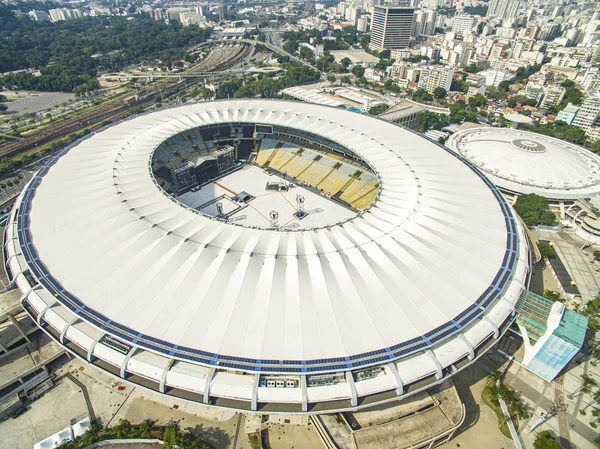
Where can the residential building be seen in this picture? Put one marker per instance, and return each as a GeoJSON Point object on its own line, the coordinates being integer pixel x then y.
{"type": "Point", "coordinates": [399, 70]}
{"type": "Point", "coordinates": [59, 14]}
{"type": "Point", "coordinates": [362, 24]}
{"type": "Point", "coordinates": [391, 27]}
{"type": "Point", "coordinates": [497, 50]}
{"type": "Point", "coordinates": [518, 49]}
{"type": "Point", "coordinates": [352, 14]}
{"type": "Point", "coordinates": [549, 31]}
{"type": "Point", "coordinates": [190, 18]}
{"type": "Point", "coordinates": [424, 24]}
{"type": "Point", "coordinates": [436, 76]}
{"type": "Point", "coordinates": [222, 11]}
{"type": "Point", "coordinates": [495, 77]}
{"type": "Point", "coordinates": [503, 9]}
{"type": "Point", "coordinates": [399, 55]}
{"type": "Point", "coordinates": [202, 10]}
{"type": "Point", "coordinates": [568, 114]}
{"type": "Point", "coordinates": [552, 96]}
{"type": "Point", "coordinates": [462, 23]}
{"type": "Point", "coordinates": [475, 89]}
{"type": "Point", "coordinates": [373, 74]}
{"type": "Point", "coordinates": [589, 113]}
{"type": "Point", "coordinates": [39, 16]}
{"type": "Point", "coordinates": [534, 91]}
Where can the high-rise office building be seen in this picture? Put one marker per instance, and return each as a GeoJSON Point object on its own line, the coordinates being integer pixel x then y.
{"type": "Point", "coordinates": [503, 9]}
{"type": "Point", "coordinates": [391, 27]}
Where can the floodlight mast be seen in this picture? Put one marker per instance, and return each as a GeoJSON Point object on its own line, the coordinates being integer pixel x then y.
{"type": "Point", "coordinates": [274, 216]}
{"type": "Point", "coordinates": [299, 203]}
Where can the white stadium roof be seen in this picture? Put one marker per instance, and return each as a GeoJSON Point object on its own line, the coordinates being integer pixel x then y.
{"type": "Point", "coordinates": [438, 251]}
{"type": "Point", "coordinates": [525, 162]}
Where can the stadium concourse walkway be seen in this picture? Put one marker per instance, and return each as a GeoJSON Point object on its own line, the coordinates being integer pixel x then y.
{"type": "Point", "coordinates": [320, 407]}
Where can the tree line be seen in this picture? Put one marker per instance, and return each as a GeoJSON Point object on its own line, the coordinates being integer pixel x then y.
{"type": "Point", "coordinates": [71, 53]}
{"type": "Point", "coordinates": [267, 86]}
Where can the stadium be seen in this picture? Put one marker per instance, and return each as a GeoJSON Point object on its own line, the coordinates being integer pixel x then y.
{"type": "Point", "coordinates": [521, 162]}
{"type": "Point", "coordinates": [524, 162]}
{"type": "Point", "coordinates": [267, 256]}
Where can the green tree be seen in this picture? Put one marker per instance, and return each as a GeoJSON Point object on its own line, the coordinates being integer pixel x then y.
{"type": "Point", "coordinates": [504, 85]}
{"type": "Point", "coordinates": [473, 68]}
{"type": "Point", "coordinates": [494, 377]}
{"type": "Point", "coordinates": [358, 70]}
{"type": "Point", "coordinates": [385, 54]}
{"type": "Point", "coordinates": [573, 95]}
{"type": "Point", "coordinates": [307, 54]}
{"type": "Point", "coordinates": [228, 88]}
{"type": "Point", "coordinates": [146, 428]}
{"type": "Point", "coordinates": [91, 435]}
{"type": "Point", "coordinates": [331, 78]}
{"type": "Point", "coordinates": [421, 95]}
{"type": "Point", "coordinates": [568, 83]}
{"type": "Point", "coordinates": [376, 110]}
{"type": "Point", "coordinates": [494, 93]}
{"type": "Point", "coordinates": [207, 94]}
{"type": "Point", "coordinates": [477, 101]}
{"type": "Point", "coordinates": [545, 440]}
{"type": "Point", "coordinates": [534, 210]}
{"type": "Point", "coordinates": [546, 250]}
{"type": "Point", "coordinates": [552, 295]}
{"type": "Point", "coordinates": [123, 429]}
{"type": "Point", "coordinates": [592, 311]}
{"type": "Point", "coordinates": [291, 46]}
{"type": "Point", "coordinates": [439, 92]}
{"type": "Point", "coordinates": [427, 120]}
{"type": "Point", "coordinates": [171, 437]}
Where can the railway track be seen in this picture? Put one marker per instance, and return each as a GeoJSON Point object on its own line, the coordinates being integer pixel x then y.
{"type": "Point", "coordinates": [218, 59]}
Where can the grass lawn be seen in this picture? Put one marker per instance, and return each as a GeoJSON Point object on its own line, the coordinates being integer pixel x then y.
{"type": "Point", "coordinates": [485, 395]}
{"type": "Point", "coordinates": [255, 441]}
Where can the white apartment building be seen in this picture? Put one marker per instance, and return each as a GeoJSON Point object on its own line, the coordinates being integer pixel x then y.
{"type": "Point", "coordinates": [589, 113]}
{"type": "Point", "coordinates": [39, 16]}
{"type": "Point", "coordinates": [495, 77]}
{"type": "Point", "coordinates": [463, 22]}
{"type": "Point", "coordinates": [503, 9]}
{"type": "Point", "coordinates": [436, 76]}
{"type": "Point", "coordinates": [552, 96]}
{"type": "Point", "coordinates": [424, 23]}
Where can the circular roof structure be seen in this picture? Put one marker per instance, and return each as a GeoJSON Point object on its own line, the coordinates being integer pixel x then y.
{"type": "Point", "coordinates": [525, 162]}
{"type": "Point", "coordinates": [435, 263]}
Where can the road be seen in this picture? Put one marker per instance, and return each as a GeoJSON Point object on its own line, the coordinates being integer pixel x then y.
{"type": "Point", "coordinates": [579, 264]}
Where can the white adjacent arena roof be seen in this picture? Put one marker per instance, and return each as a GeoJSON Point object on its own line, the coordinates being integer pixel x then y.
{"type": "Point", "coordinates": [525, 162]}
{"type": "Point", "coordinates": [434, 266]}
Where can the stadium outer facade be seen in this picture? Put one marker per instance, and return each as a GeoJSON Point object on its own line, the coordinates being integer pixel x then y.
{"type": "Point", "coordinates": [338, 317]}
